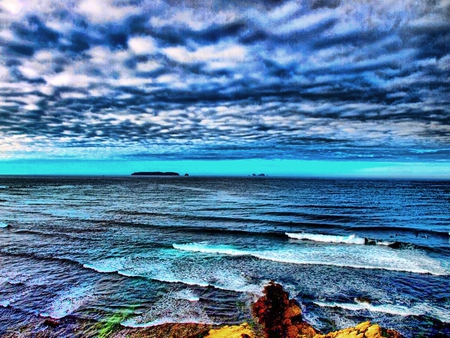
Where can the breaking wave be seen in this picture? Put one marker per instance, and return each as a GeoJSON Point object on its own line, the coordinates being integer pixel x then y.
{"type": "Point", "coordinates": [392, 309]}
{"type": "Point", "coordinates": [359, 257]}
{"type": "Point", "coordinates": [351, 239]}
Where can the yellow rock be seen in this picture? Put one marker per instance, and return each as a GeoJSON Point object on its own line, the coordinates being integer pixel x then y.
{"type": "Point", "coordinates": [235, 331]}
{"type": "Point", "coordinates": [347, 333]}
{"type": "Point", "coordinates": [374, 331]}
{"type": "Point", "coordinates": [362, 327]}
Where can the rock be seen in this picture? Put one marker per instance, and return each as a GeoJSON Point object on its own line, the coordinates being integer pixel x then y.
{"type": "Point", "coordinates": [363, 300]}
{"type": "Point", "coordinates": [362, 330]}
{"type": "Point", "coordinates": [395, 245]}
{"type": "Point", "coordinates": [279, 316]}
{"type": "Point", "coordinates": [236, 331]}
{"type": "Point", "coordinates": [362, 326]}
{"type": "Point", "coordinates": [293, 310]}
{"type": "Point", "coordinates": [52, 322]}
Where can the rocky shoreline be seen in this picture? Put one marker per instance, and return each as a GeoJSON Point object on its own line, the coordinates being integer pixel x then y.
{"type": "Point", "coordinates": [278, 316]}
{"type": "Point", "coordinates": [274, 316]}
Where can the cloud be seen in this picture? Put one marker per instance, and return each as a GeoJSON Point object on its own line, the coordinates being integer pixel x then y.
{"type": "Point", "coordinates": [105, 11]}
{"type": "Point", "coordinates": [142, 45]}
{"type": "Point", "coordinates": [273, 79]}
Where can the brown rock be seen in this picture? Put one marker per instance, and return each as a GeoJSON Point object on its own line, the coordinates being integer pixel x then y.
{"type": "Point", "coordinates": [280, 316]}
{"type": "Point", "coordinates": [52, 322]}
{"type": "Point", "coordinates": [293, 311]}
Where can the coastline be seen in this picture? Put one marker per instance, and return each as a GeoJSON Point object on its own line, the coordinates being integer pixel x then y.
{"type": "Point", "coordinates": [274, 315]}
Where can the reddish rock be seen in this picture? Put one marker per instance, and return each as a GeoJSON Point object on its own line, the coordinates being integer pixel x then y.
{"type": "Point", "coordinates": [52, 322]}
{"type": "Point", "coordinates": [280, 316]}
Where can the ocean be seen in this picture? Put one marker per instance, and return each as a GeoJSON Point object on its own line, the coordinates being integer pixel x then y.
{"type": "Point", "coordinates": [153, 250]}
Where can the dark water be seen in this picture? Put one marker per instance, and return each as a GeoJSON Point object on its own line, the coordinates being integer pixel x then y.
{"type": "Point", "coordinates": [201, 249]}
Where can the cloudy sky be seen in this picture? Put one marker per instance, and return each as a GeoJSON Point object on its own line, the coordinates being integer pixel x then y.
{"type": "Point", "coordinates": [146, 83]}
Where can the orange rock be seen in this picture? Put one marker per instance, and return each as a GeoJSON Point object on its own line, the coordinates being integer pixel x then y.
{"type": "Point", "coordinates": [293, 311]}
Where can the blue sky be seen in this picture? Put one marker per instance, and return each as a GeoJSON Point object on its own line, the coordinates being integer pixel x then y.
{"type": "Point", "coordinates": [243, 167]}
{"type": "Point", "coordinates": [289, 87]}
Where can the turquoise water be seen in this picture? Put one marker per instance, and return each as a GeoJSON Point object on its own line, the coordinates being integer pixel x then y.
{"type": "Point", "coordinates": [201, 249]}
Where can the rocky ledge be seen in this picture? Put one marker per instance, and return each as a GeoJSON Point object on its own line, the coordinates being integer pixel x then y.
{"type": "Point", "coordinates": [281, 317]}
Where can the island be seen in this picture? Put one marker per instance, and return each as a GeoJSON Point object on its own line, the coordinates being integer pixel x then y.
{"type": "Point", "coordinates": [155, 173]}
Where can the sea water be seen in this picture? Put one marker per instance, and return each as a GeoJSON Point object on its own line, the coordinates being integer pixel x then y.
{"type": "Point", "coordinates": [187, 249]}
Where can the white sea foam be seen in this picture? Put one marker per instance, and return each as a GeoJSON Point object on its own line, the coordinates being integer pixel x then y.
{"type": "Point", "coordinates": [385, 243]}
{"type": "Point", "coordinates": [360, 257]}
{"type": "Point", "coordinates": [351, 239]}
{"type": "Point", "coordinates": [393, 309]}
{"type": "Point", "coordinates": [100, 268]}
{"type": "Point", "coordinates": [5, 303]}
{"type": "Point", "coordinates": [169, 310]}
{"type": "Point", "coordinates": [68, 302]}
{"type": "Point", "coordinates": [358, 306]}
{"type": "Point", "coordinates": [186, 294]}
{"type": "Point", "coordinates": [136, 323]}
{"type": "Point", "coordinates": [170, 267]}
{"type": "Point", "coordinates": [205, 248]}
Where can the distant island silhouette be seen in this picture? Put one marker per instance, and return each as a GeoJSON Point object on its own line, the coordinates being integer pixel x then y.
{"type": "Point", "coordinates": [155, 173]}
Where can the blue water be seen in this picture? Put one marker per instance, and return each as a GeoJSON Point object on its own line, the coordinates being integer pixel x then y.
{"type": "Point", "coordinates": [192, 249]}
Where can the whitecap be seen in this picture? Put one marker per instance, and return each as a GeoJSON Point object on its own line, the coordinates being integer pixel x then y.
{"type": "Point", "coordinates": [393, 309]}
{"type": "Point", "coordinates": [186, 294]}
{"type": "Point", "coordinates": [359, 257]}
{"type": "Point", "coordinates": [351, 239]}
{"type": "Point", "coordinates": [205, 248]}
{"type": "Point", "coordinates": [169, 309]}
{"type": "Point", "coordinates": [68, 302]}
{"type": "Point", "coordinates": [169, 266]}
{"type": "Point", "coordinates": [5, 303]}
{"type": "Point", "coordinates": [100, 268]}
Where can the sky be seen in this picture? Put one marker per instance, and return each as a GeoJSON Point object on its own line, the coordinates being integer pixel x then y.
{"type": "Point", "coordinates": [308, 87]}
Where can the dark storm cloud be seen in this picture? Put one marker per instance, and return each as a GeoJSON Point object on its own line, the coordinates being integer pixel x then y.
{"type": "Point", "coordinates": [274, 79]}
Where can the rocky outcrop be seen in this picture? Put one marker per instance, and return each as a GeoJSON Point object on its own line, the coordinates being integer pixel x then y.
{"type": "Point", "coordinates": [276, 316]}
{"type": "Point", "coordinates": [280, 316]}
{"type": "Point", "coordinates": [363, 330]}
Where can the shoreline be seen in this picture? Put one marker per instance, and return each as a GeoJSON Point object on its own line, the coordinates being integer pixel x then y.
{"type": "Point", "coordinates": [274, 315]}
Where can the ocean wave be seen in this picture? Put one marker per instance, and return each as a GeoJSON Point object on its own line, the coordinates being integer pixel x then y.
{"type": "Point", "coordinates": [205, 248]}
{"type": "Point", "coordinates": [402, 230]}
{"type": "Point", "coordinates": [186, 294]}
{"type": "Point", "coordinates": [3, 225]}
{"type": "Point", "coordinates": [135, 324]}
{"type": "Point", "coordinates": [172, 270]}
{"type": "Point", "coordinates": [68, 302]}
{"type": "Point", "coordinates": [392, 309]}
{"type": "Point", "coordinates": [5, 303]}
{"type": "Point", "coordinates": [169, 309]}
{"type": "Point", "coordinates": [358, 257]}
{"type": "Point", "coordinates": [351, 239]}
